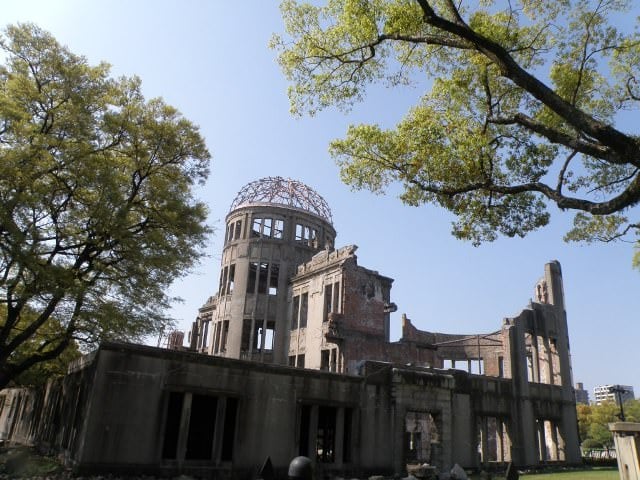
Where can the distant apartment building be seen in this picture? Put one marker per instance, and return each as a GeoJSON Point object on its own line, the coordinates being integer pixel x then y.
{"type": "Point", "coordinates": [613, 393]}
{"type": "Point", "coordinates": [582, 395]}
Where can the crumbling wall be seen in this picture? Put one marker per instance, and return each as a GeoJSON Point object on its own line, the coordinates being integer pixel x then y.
{"type": "Point", "coordinates": [51, 417]}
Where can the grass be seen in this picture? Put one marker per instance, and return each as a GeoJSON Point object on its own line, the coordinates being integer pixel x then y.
{"type": "Point", "coordinates": [598, 473]}
{"type": "Point", "coordinates": [594, 474]}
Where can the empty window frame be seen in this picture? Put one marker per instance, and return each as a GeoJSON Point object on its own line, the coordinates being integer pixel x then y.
{"type": "Point", "coordinates": [347, 435]}
{"type": "Point", "coordinates": [264, 335]}
{"type": "Point", "coordinates": [326, 436]}
{"type": "Point", "coordinates": [273, 279]}
{"type": "Point", "coordinates": [299, 311]}
{"type": "Point", "coordinates": [205, 335]}
{"type": "Point", "coordinates": [295, 311]}
{"type": "Point", "coordinates": [328, 299]}
{"type": "Point", "coordinates": [264, 276]}
{"type": "Point", "coordinates": [324, 360]}
{"type": "Point", "coordinates": [238, 230]}
{"type": "Point", "coordinates": [227, 277]}
{"type": "Point", "coordinates": [234, 231]}
{"type": "Point", "coordinates": [267, 228]}
{"type": "Point", "coordinates": [331, 299]}
{"type": "Point", "coordinates": [231, 279]}
{"type": "Point", "coordinates": [256, 228]}
{"type": "Point", "coordinates": [216, 337]}
{"type": "Point", "coordinates": [304, 308]}
{"type": "Point", "coordinates": [278, 228]}
{"type": "Point", "coordinates": [306, 235]}
{"type": "Point", "coordinates": [251, 278]}
{"type": "Point", "coordinates": [246, 335]}
{"type": "Point", "coordinates": [223, 337]}
{"type": "Point", "coordinates": [198, 433]}
{"type": "Point", "coordinates": [202, 425]}
{"type": "Point", "coordinates": [329, 359]}
{"type": "Point", "coordinates": [223, 280]}
{"type": "Point", "coordinates": [318, 430]}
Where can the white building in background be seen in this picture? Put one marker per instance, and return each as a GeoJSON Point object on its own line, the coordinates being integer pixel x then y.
{"type": "Point", "coordinates": [612, 393]}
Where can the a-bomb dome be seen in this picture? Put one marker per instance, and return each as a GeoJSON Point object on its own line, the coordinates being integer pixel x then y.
{"type": "Point", "coordinates": [283, 191]}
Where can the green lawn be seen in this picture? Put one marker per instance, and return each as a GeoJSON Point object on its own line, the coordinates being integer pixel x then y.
{"type": "Point", "coordinates": [595, 474]}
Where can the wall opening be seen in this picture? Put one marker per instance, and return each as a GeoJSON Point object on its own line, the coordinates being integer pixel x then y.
{"type": "Point", "coordinates": [172, 426]}
{"type": "Point", "coordinates": [305, 424]}
{"type": "Point", "coordinates": [228, 438]}
{"type": "Point", "coordinates": [347, 435]}
{"type": "Point", "coordinates": [273, 279]}
{"type": "Point", "coordinates": [421, 436]}
{"type": "Point", "coordinates": [326, 437]}
{"type": "Point", "coordinates": [202, 424]}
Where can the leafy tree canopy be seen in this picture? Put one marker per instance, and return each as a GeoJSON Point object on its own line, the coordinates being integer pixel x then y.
{"type": "Point", "coordinates": [98, 215]}
{"type": "Point", "coordinates": [521, 112]}
{"type": "Point", "coordinates": [593, 421]}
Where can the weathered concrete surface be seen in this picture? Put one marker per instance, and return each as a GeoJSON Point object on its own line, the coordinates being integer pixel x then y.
{"type": "Point", "coordinates": [143, 409]}
{"type": "Point", "coordinates": [626, 436]}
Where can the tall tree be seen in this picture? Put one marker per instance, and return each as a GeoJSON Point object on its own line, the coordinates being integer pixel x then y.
{"type": "Point", "coordinates": [98, 215]}
{"type": "Point", "coordinates": [521, 113]}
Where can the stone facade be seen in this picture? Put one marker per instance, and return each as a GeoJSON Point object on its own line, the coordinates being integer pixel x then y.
{"type": "Point", "coordinates": [138, 409]}
{"type": "Point", "coordinates": [292, 356]}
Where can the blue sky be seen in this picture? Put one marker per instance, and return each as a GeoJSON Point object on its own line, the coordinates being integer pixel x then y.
{"type": "Point", "coordinates": [210, 60]}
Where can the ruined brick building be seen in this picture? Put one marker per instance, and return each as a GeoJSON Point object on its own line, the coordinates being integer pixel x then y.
{"type": "Point", "coordinates": [292, 356]}
{"type": "Point", "coordinates": [288, 296]}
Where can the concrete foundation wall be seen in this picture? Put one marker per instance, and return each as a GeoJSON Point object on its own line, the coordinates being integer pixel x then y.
{"type": "Point", "coordinates": [143, 409]}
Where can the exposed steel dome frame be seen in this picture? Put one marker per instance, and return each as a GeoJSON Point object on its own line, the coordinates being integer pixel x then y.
{"type": "Point", "coordinates": [283, 191]}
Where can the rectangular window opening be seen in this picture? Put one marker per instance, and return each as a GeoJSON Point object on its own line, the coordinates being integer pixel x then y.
{"type": "Point", "coordinates": [269, 335]}
{"type": "Point", "coordinates": [238, 228]}
{"type": "Point", "coordinates": [299, 233]}
{"type": "Point", "coordinates": [328, 299]}
{"type": "Point", "coordinates": [256, 228]}
{"type": "Point", "coordinates": [221, 282]}
{"type": "Point", "coordinates": [229, 433]}
{"type": "Point", "coordinates": [295, 310]}
{"type": "Point", "coordinates": [326, 438]}
{"type": "Point", "coordinates": [336, 297]}
{"type": "Point", "coordinates": [225, 333]}
{"type": "Point", "coordinates": [305, 421]}
{"type": "Point", "coordinates": [201, 427]}
{"type": "Point", "coordinates": [278, 229]}
{"type": "Point", "coordinates": [205, 334]}
{"type": "Point", "coordinates": [346, 442]}
{"type": "Point", "coordinates": [251, 279]}
{"type": "Point", "coordinates": [216, 337]}
{"type": "Point", "coordinates": [172, 427]}
{"type": "Point", "coordinates": [232, 274]}
{"type": "Point", "coordinates": [273, 279]}
{"type": "Point", "coordinates": [304, 305]}
{"type": "Point", "coordinates": [324, 360]}
{"type": "Point", "coordinates": [246, 335]}
{"type": "Point", "coordinates": [263, 277]}
{"type": "Point", "coordinates": [258, 336]}
{"type": "Point", "coordinates": [266, 227]}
